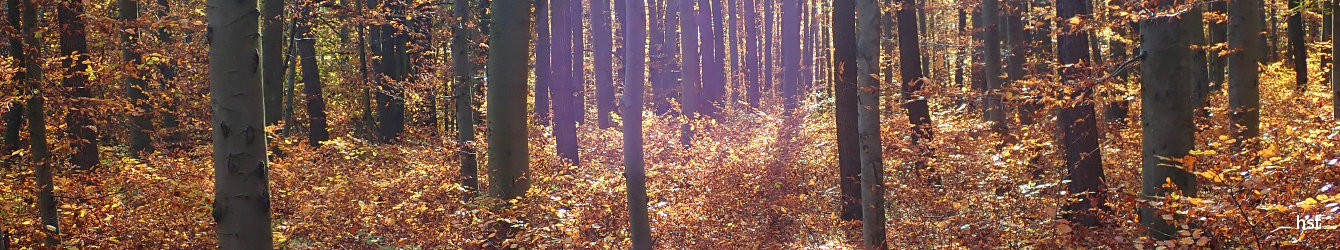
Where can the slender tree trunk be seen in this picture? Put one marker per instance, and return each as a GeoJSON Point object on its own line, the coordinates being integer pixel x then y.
{"type": "Point", "coordinates": [1245, 20]}
{"type": "Point", "coordinates": [790, 54]}
{"type": "Point", "coordinates": [872, 160]}
{"type": "Point", "coordinates": [509, 159]}
{"type": "Point", "coordinates": [1274, 44]}
{"type": "Point", "coordinates": [168, 71]}
{"type": "Point", "coordinates": [909, 66]}
{"type": "Point", "coordinates": [733, 33]}
{"type": "Point", "coordinates": [291, 84]}
{"type": "Point", "coordinates": [311, 79]}
{"type": "Point", "coordinates": [848, 140]}
{"type": "Point", "coordinates": [578, 62]}
{"type": "Point", "coordinates": [751, 53]}
{"type": "Point", "coordinates": [543, 74]}
{"type": "Point", "coordinates": [1015, 40]}
{"type": "Point", "coordinates": [272, 40]}
{"type": "Point", "coordinates": [770, 43]}
{"type": "Point", "coordinates": [669, 51]}
{"type": "Point", "coordinates": [1217, 34]}
{"type": "Point", "coordinates": [74, 47]}
{"type": "Point", "coordinates": [565, 127]}
{"type": "Point", "coordinates": [1200, 60]}
{"type": "Point", "coordinates": [995, 110]}
{"type": "Point", "coordinates": [689, 88]}
{"type": "Point", "coordinates": [655, 53]}
{"type": "Point", "coordinates": [140, 120]}
{"type": "Point", "coordinates": [1078, 121]}
{"type": "Point", "coordinates": [242, 192]}
{"type": "Point", "coordinates": [390, 98]}
{"type": "Point", "coordinates": [465, 112]}
{"type": "Point", "coordinates": [634, 39]}
{"type": "Point", "coordinates": [1168, 120]}
{"type": "Point", "coordinates": [1298, 45]}
{"type": "Point", "coordinates": [365, 98]}
{"type": "Point", "coordinates": [14, 113]}
{"type": "Point", "coordinates": [603, 42]}
{"type": "Point", "coordinates": [40, 154]}
{"type": "Point", "coordinates": [714, 72]}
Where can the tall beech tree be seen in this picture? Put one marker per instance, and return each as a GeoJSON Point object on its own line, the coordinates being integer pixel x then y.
{"type": "Point", "coordinates": [578, 62]}
{"type": "Point", "coordinates": [141, 123]}
{"type": "Point", "coordinates": [391, 44]}
{"type": "Point", "coordinates": [272, 59]}
{"type": "Point", "coordinates": [13, 116]}
{"type": "Point", "coordinates": [995, 110]}
{"type": "Point", "coordinates": [790, 54]}
{"type": "Point", "coordinates": [241, 184]}
{"type": "Point", "coordinates": [562, 92]}
{"type": "Point", "coordinates": [1245, 22]}
{"type": "Point", "coordinates": [1168, 119]}
{"type": "Point", "coordinates": [872, 158]}
{"type": "Point", "coordinates": [37, 127]}
{"type": "Point", "coordinates": [465, 112]}
{"type": "Point", "coordinates": [662, 90]}
{"type": "Point", "coordinates": [311, 76]}
{"type": "Point", "coordinates": [544, 76]}
{"type": "Point", "coordinates": [603, 43]}
{"type": "Point", "coordinates": [1078, 120]}
{"type": "Point", "coordinates": [635, 34]}
{"type": "Point", "coordinates": [74, 47]}
{"type": "Point", "coordinates": [909, 67]}
{"type": "Point", "coordinates": [509, 158]}
{"type": "Point", "coordinates": [844, 85]}
{"type": "Point", "coordinates": [688, 70]}
{"type": "Point", "coordinates": [1297, 43]}
{"type": "Point", "coordinates": [751, 50]}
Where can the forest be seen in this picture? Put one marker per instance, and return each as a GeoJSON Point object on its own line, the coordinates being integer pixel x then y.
{"type": "Point", "coordinates": [669, 124]}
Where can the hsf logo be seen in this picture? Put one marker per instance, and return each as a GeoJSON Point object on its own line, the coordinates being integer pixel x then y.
{"type": "Point", "coordinates": [1311, 222]}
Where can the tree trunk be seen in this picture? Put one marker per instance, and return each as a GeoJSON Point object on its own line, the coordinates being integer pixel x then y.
{"type": "Point", "coordinates": [1298, 45]}
{"type": "Point", "coordinates": [714, 73]}
{"type": "Point", "coordinates": [1245, 20]}
{"type": "Point", "coordinates": [168, 70]}
{"type": "Point", "coordinates": [872, 160]}
{"type": "Point", "coordinates": [272, 40]}
{"type": "Point", "coordinates": [1016, 41]}
{"type": "Point", "coordinates": [543, 74]}
{"type": "Point", "coordinates": [390, 99]}
{"type": "Point", "coordinates": [600, 22]}
{"type": "Point", "coordinates": [1273, 34]}
{"type": "Point", "coordinates": [909, 66]}
{"type": "Point", "coordinates": [140, 120]}
{"type": "Point", "coordinates": [578, 62]}
{"type": "Point", "coordinates": [37, 131]}
{"type": "Point", "coordinates": [733, 33]}
{"type": "Point", "coordinates": [669, 50]}
{"type": "Point", "coordinates": [508, 152]}
{"type": "Point", "coordinates": [751, 53]}
{"type": "Point", "coordinates": [14, 115]}
{"type": "Point", "coordinates": [1168, 118]}
{"type": "Point", "coordinates": [291, 82]}
{"type": "Point", "coordinates": [848, 141]}
{"type": "Point", "coordinates": [242, 192]}
{"type": "Point", "coordinates": [995, 110]}
{"type": "Point", "coordinates": [1217, 34]}
{"type": "Point", "coordinates": [74, 47]}
{"type": "Point", "coordinates": [790, 54]}
{"type": "Point", "coordinates": [565, 127]}
{"type": "Point", "coordinates": [311, 80]}
{"type": "Point", "coordinates": [770, 43]}
{"type": "Point", "coordinates": [1200, 70]}
{"type": "Point", "coordinates": [688, 69]}
{"type": "Point", "coordinates": [1078, 121]}
{"type": "Point", "coordinates": [634, 39]}
{"type": "Point", "coordinates": [465, 112]}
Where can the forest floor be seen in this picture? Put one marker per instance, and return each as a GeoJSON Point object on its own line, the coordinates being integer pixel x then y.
{"type": "Point", "coordinates": [751, 180]}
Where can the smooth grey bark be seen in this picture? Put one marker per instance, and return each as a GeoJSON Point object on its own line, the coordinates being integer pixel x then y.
{"type": "Point", "coordinates": [311, 79]}
{"type": "Point", "coordinates": [872, 160]}
{"type": "Point", "coordinates": [272, 64]}
{"type": "Point", "coordinates": [635, 35]}
{"type": "Point", "coordinates": [465, 112]}
{"type": "Point", "coordinates": [1245, 21]}
{"type": "Point", "coordinates": [141, 123]}
{"type": "Point", "coordinates": [1084, 160]}
{"type": "Point", "coordinates": [790, 54]}
{"type": "Point", "coordinates": [1217, 33]}
{"type": "Point", "coordinates": [509, 39]}
{"type": "Point", "coordinates": [995, 110]}
{"type": "Point", "coordinates": [241, 186]}
{"type": "Point", "coordinates": [1297, 45]}
{"type": "Point", "coordinates": [1168, 117]}
{"type": "Point", "coordinates": [688, 70]}
{"type": "Point", "coordinates": [845, 100]}
{"type": "Point", "coordinates": [604, 70]}
{"type": "Point", "coordinates": [74, 47]}
{"type": "Point", "coordinates": [543, 52]}
{"type": "Point", "coordinates": [37, 128]}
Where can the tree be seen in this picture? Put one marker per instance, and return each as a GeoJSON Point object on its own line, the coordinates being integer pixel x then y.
{"type": "Point", "coordinates": [1245, 21]}
{"type": "Point", "coordinates": [634, 170]}
{"type": "Point", "coordinates": [37, 130]}
{"type": "Point", "coordinates": [844, 85]}
{"type": "Point", "coordinates": [909, 66]}
{"type": "Point", "coordinates": [603, 42]}
{"type": "Point", "coordinates": [543, 52]}
{"type": "Point", "coordinates": [272, 64]}
{"type": "Point", "coordinates": [14, 114]}
{"type": "Point", "coordinates": [713, 79]}
{"type": "Point", "coordinates": [1168, 119]}
{"type": "Point", "coordinates": [140, 120]}
{"type": "Point", "coordinates": [1218, 32]}
{"type": "Point", "coordinates": [790, 54]}
{"type": "Point", "coordinates": [74, 47]}
{"type": "Point", "coordinates": [509, 160]}
{"type": "Point", "coordinates": [311, 77]}
{"type": "Point", "coordinates": [465, 112]}
{"type": "Point", "coordinates": [662, 91]}
{"type": "Point", "coordinates": [1297, 44]}
{"type": "Point", "coordinates": [1016, 40]}
{"type": "Point", "coordinates": [391, 45]}
{"type": "Point", "coordinates": [688, 69]}
{"type": "Point", "coordinates": [1078, 120]}
{"type": "Point", "coordinates": [242, 191]}
{"type": "Point", "coordinates": [578, 61]}
{"type": "Point", "coordinates": [872, 159]}
{"type": "Point", "coordinates": [995, 110]}
{"type": "Point", "coordinates": [565, 127]}
{"type": "Point", "coordinates": [751, 53]}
